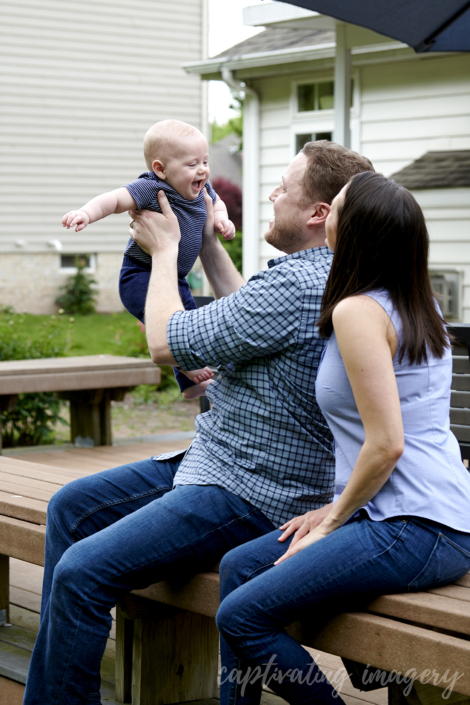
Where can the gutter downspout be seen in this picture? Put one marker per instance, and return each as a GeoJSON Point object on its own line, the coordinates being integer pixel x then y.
{"type": "Point", "coordinates": [251, 180]}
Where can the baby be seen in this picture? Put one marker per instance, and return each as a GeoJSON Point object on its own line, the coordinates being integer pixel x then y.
{"type": "Point", "coordinates": [177, 157]}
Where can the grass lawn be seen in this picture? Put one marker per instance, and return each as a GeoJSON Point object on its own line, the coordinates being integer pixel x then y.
{"type": "Point", "coordinates": [146, 409]}
{"type": "Point", "coordinates": [95, 334]}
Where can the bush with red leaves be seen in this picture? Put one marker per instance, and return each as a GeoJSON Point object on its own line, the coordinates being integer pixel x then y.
{"type": "Point", "coordinates": [231, 195]}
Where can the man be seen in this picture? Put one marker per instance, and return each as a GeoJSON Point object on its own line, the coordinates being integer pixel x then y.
{"type": "Point", "coordinates": [261, 455]}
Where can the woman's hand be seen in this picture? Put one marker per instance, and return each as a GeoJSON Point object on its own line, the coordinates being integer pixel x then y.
{"type": "Point", "coordinates": [314, 535]}
{"type": "Point", "coordinates": [304, 524]}
{"type": "Point", "coordinates": [155, 232]}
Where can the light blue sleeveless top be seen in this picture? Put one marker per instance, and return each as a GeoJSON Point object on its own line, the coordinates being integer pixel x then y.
{"type": "Point", "coordinates": [430, 480]}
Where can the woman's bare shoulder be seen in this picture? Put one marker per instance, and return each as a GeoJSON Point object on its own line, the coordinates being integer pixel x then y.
{"type": "Point", "coordinates": [358, 306]}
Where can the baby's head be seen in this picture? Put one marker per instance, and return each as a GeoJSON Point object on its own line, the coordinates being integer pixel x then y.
{"type": "Point", "coordinates": [178, 154]}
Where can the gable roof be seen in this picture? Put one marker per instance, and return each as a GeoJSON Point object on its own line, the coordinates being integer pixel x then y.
{"type": "Point", "coordinates": [449, 169]}
{"type": "Point", "coordinates": [277, 39]}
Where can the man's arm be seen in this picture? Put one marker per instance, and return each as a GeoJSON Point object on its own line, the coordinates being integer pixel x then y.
{"type": "Point", "coordinates": [222, 223]}
{"type": "Point", "coordinates": [222, 274]}
{"type": "Point", "coordinates": [262, 318]}
{"type": "Point", "coordinates": [117, 201]}
{"type": "Point", "coordinates": [163, 299]}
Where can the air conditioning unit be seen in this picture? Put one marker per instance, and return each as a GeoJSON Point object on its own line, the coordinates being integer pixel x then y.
{"type": "Point", "coordinates": [445, 286]}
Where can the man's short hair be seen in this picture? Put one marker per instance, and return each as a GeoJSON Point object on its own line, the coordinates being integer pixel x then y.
{"type": "Point", "coordinates": [329, 168]}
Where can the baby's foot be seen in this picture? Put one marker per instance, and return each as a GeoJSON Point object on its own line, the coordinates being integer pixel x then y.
{"type": "Point", "coordinates": [199, 376]}
{"type": "Point", "coordinates": [199, 390]}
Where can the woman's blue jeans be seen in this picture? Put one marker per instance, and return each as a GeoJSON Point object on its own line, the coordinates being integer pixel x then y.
{"type": "Point", "coordinates": [362, 559]}
{"type": "Point", "coordinates": [110, 533]}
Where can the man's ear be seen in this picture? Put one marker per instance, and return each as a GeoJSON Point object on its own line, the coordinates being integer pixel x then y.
{"type": "Point", "coordinates": [319, 213]}
{"type": "Point", "coordinates": [158, 168]}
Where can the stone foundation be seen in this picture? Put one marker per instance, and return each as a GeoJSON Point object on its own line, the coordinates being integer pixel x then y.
{"type": "Point", "coordinates": [30, 282]}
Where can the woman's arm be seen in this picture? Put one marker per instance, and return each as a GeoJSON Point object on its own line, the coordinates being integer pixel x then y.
{"type": "Point", "coordinates": [367, 342]}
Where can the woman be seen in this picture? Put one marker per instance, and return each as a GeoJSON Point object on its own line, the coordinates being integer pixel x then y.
{"type": "Point", "coordinates": [401, 516]}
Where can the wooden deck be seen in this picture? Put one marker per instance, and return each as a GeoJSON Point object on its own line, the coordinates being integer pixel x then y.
{"type": "Point", "coordinates": [16, 641]}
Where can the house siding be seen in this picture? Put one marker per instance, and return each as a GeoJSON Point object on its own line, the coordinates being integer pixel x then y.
{"type": "Point", "coordinates": [409, 108]}
{"type": "Point", "coordinates": [447, 213]}
{"type": "Point", "coordinates": [80, 83]}
{"type": "Point", "coordinates": [402, 110]}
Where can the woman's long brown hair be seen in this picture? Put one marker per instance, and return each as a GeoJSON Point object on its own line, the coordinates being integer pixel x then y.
{"type": "Point", "coordinates": [382, 243]}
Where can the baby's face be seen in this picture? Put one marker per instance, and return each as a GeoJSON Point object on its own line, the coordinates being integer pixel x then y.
{"type": "Point", "coordinates": [187, 166]}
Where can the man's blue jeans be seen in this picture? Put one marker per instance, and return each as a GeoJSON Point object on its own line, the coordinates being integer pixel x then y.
{"type": "Point", "coordinates": [353, 564]}
{"type": "Point", "coordinates": [108, 534]}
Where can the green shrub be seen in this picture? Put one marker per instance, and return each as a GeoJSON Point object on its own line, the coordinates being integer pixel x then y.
{"type": "Point", "coordinates": [31, 420]}
{"type": "Point", "coordinates": [135, 345]}
{"type": "Point", "coordinates": [235, 249]}
{"type": "Point", "coordinates": [78, 293]}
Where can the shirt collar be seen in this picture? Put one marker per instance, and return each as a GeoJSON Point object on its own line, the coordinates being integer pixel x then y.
{"type": "Point", "coordinates": [171, 193]}
{"type": "Point", "coordinates": [311, 254]}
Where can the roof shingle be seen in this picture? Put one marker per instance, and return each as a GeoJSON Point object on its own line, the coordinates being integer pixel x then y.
{"type": "Point", "coordinates": [277, 39]}
{"type": "Point", "coordinates": [449, 169]}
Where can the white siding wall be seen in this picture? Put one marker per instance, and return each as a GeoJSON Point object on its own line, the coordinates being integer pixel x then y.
{"type": "Point", "coordinates": [80, 83]}
{"type": "Point", "coordinates": [413, 107]}
{"type": "Point", "coordinates": [447, 213]}
{"type": "Point", "coordinates": [275, 149]}
{"type": "Point", "coordinates": [402, 110]}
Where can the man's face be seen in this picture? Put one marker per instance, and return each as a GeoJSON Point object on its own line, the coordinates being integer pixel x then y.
{"type": "Point", "coordinates": [286, 229]}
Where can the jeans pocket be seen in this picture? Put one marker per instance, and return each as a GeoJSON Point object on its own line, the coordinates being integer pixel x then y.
{"type": "Point", "coordinates": [448, 562]}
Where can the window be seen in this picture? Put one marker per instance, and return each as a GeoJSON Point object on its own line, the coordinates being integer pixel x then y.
{"type": "Point", "coordinates": [300, 140]}
{"type": "Point", "coordinates": [445, 286]}
{"type": "Point", "coordinates": [68, 262]}
{"type": "Point", "coordinates": [318, 96]}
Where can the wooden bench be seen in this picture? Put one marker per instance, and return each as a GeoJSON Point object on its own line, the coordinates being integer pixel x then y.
{"type": "Point", "coordinates": [460, 398]}
{"type": "Point", "coordinates": [167, 642]}
{"type": "Point", "coordinates": [166, 639]}
{"type": "Point", "coordinates": [90, 383]}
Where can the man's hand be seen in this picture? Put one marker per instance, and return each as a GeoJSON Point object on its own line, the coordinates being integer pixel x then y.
{"type": "Point", "coordinates": [155, 232]}
{"type": "Point", "coordinates": [304, 524]}
{"type": "Point", "coordinates": [78, 218]}
{"type": "Point", "coordinates": [224, 227]}
{"type": "Point", "coordinates": [208, 232]}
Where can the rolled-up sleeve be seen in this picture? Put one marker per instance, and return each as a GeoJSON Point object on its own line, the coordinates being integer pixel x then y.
{"type": "Point", "coordinates": [260, 319]}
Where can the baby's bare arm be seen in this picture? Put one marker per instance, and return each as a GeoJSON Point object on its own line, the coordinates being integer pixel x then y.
{"type": "Point", "coordinates": [220, 207]}
{"type": "Point", "coordinates": [117, 201]}
{"type": "Point", "coordinates": [223, 225]}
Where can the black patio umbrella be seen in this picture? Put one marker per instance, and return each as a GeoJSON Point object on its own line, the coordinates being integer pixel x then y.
{"type": "Point", "coordinates": [425, 25]}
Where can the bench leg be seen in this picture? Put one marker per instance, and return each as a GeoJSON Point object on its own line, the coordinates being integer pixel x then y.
{"type": "Point", "coordinates": [124, 643]}
{"type": "Point", "coordinates": [90, 416]}
{"type": "Point", "coordinates": [175, 659]}
{"type": "Point", "coordinates": [4, 590]}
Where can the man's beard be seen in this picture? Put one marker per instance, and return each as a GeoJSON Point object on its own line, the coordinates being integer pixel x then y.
{"type": "Point", "coordinates": [285, 235]}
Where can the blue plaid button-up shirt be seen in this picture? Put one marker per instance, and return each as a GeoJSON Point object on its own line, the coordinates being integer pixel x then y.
{"type": "Point", "coordinates": [264, 438]}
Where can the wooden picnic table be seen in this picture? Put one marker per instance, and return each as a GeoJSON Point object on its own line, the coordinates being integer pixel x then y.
{"type": "Point", "coordinates": [89, 382]}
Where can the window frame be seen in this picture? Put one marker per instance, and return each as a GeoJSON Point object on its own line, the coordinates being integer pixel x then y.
{"type": "Point", "coordinates": [314, 121]}
{"type": "Point", "coordinates": [91, 269]}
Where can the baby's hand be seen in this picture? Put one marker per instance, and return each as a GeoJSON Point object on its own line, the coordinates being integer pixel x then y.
{"type": "Point", "coordinates": [78, 218]}
{"type": "Point", "coordinates": [225, 228]}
